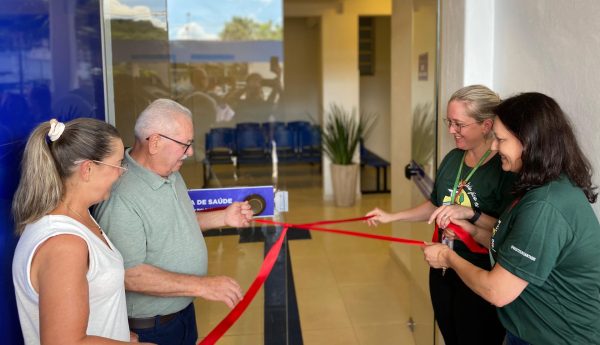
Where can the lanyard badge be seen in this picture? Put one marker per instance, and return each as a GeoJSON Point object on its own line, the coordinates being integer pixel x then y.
{"type": "Point", "coordinates": [457, 197]}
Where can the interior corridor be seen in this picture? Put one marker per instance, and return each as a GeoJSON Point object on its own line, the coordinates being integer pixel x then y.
{"type": "Point", "coordinates": [349, 290]}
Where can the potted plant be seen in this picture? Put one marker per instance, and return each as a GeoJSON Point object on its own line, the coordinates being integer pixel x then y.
{"type": "Point", "coordinates": [341, 136]}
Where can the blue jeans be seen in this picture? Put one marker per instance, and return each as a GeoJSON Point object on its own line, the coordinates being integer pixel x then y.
{"type": "Point", "coordinates": [512, 339]}
{"type": "Point", "coordinates": [181, 330]}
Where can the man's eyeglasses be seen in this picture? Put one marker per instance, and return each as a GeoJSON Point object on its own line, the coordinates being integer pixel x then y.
{"type": "Point", "coordinates": [185, 145]}
{"type": "Point", "coordinates": [458, 127]}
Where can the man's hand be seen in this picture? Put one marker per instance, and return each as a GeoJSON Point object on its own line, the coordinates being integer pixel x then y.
{"type": "Point", "coordinates": [238, 214]}
{"type": "Point", "coordinates": [220, 288]}
{"type": "Point", "coordinates": [133, 337]}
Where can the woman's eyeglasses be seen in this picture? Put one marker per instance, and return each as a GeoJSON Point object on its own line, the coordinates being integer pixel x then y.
{"type": "Point", "coordinates": [120, 167]}
{"type": "Point", "coordinates": [458, 127]}
{"type": "Point", "coordinates": [124, 169]}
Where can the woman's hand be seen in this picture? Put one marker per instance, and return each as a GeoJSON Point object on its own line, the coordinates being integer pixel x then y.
{"type": "Point", "coordinates": [436, 255]}
{"type": "Point", "coordinates": [444, 215]}
{"type": "Point", "coordinates": [449, 234]}
{"type": "Point", "coordinates": [378, 216]}
{"type": "Point", "coordinates": [465, 225]}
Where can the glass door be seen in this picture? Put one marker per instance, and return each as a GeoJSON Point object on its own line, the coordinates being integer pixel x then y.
{"type": "Point", "coordinates": [424, 148]}
{"type": "Point", "coordinates": [222, 60]}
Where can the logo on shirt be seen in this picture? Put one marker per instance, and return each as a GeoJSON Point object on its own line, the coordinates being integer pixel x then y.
{"type": "Point", "coordinates": [529, 256]}
{"type": "Point", "coordinates": [494, 230]}
{"type": "Point", "coordinates": [466, 196]}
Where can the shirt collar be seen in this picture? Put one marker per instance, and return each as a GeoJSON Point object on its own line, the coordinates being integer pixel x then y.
{"type": "Point", "coordinates": [151, 178]}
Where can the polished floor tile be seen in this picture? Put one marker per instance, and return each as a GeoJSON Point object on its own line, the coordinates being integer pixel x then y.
{"type": "Point", "coordinates": [388, 334]}
{"type": "Point", "coordinates": [322, 308]}
{"type": "Point", "coordinates": [334, 336]}
{"type": "Point", "coordinates": [349, 290]}
{"type": "Point", "coordinates": [242, 339]}
{"type": "Point", "coordinates": [374, 303]}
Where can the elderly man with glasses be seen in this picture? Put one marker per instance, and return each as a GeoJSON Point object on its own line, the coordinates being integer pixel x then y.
{"type": "Point", "coordinates": [150, 219]}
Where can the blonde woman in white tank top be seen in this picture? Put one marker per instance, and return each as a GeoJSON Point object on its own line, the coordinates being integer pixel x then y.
{"type": "Point", "coordinates": [68, 277]}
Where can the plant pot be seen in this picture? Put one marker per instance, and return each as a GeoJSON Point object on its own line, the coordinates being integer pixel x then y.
{"type": "Point", "coordinates": [344, 179]}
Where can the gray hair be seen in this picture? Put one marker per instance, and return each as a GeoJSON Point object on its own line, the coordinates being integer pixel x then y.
{"type": "Point", "coordinates": [479, 100]}
{"type": "Point", "coordinates": [159, 116]}
{"type": "Point", "coordinates": [46, 165]}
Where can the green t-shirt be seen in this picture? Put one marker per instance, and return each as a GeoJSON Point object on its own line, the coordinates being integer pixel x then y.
{"type": "Point", "coordinates": [151, 220]}
{"type": "Point", "coordinates": [488, 189]}
{"type": "Point", "coordinates": [551, 239]}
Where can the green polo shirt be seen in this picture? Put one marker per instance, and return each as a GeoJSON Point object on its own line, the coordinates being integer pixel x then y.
{"type": "Point", "coordinates": [151, 221]}
{"type": "Point", "coordinates": [488, 190]}
{"type": "Point", "coordinates": [551, 238]}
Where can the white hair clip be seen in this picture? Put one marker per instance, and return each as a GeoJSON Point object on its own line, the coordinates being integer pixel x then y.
{"type": "Point", "coordinates": [56, 130]}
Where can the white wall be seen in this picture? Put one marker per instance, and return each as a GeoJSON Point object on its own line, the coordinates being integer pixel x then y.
{"type": "Point", "coordinates": [553, 46]}
{"type": "Point", "coordinates": [302, 69]}
{"type": "Point", "coordinates": [548, 46]}
{"type": "Point", "coordinates": [375, 90]}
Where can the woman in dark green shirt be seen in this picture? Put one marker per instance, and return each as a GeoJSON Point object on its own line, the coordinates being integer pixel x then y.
{"type": "Point", "coordinates": [546, 277]}
{"type": "Point", "coordinates": [469, 184]}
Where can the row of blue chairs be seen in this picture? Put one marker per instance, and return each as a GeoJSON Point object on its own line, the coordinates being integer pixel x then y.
{"type": "Point", "coordinates": [251, 143]}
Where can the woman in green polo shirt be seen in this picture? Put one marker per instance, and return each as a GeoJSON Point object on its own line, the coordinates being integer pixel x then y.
{"type": "Point", "coordinates": [469, 184]}
{"type": "Point", "coordinates": [546, 277]}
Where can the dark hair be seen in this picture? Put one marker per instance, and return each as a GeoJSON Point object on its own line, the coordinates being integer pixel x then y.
{"type": "Point", "coordinates": [549, 144]}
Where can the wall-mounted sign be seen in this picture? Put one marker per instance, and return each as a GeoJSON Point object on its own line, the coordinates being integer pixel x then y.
{"type": "Point", "coordinates": [423, 66]}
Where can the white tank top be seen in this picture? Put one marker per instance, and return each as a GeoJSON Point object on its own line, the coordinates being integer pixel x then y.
{"type": "Point", "coordinates": [105, 276]}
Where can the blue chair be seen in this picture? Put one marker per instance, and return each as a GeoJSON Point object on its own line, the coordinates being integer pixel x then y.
{"type": "Point", "coordinates": [268, 129]}
{"type": "Point", "coordinates": [285, 144]}
{"type": "Point", "coordinates": [220, 142]}
{"type": "Point", "coordinates": [219, 148]}
{"type": "Point", "coordinates": [250, 145]}
{"type": "Point", "coordinates": [309, 144]}
{"type": "Point", "coordinates": [247, 125]}
{"type": "Point", "coordinates": [296, 124]}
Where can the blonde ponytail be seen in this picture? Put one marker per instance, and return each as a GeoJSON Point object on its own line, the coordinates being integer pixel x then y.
{"type": "Point", "coordinates": [40, 187]}
{"type": "Point", "coordinates": [47, 164]}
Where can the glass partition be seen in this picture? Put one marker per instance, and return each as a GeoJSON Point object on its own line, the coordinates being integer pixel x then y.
{"type": "Point", "coordinates": [223, 60]}
{"type": "Point", "coordinates": [424, 147]}
{"type": "Point", "coordinates": [50, 67]}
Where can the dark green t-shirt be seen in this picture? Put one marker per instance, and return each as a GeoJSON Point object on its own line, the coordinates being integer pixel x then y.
{"type": "Point", "coordinates": [551, 239]}
{"type": "Point", "coordinates": [488, 189]}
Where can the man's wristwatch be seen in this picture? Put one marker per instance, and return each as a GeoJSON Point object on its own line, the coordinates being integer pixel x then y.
{"type": "Point", "coordinates": [476, 215]}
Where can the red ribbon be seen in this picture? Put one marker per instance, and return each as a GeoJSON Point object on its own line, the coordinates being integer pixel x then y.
{"type": "Point", "coordinates": [271, 257]}
{"type": "Point", "coordinates": [464, 236]}
{"type": "Point", "coordinates": [238, 310]}
{"type": "Point", "coordinates": [310, 226]}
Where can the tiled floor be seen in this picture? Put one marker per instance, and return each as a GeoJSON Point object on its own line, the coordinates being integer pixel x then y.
{"type": "Point", "coordinates": [349, 289]}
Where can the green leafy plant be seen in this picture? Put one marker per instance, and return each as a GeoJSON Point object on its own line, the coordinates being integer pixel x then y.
{"type": "Point", "coordinates": [343, 132]}
{"type": "Point", "coordinates": [423, 132]}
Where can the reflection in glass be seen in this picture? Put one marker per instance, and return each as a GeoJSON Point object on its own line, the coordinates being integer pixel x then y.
{"type": "Point", "coordinates": [223, 60]}
{"type": "Point", "coordinates": [50, 67]}
{"type": "Point", "coordinates": [424, 95]}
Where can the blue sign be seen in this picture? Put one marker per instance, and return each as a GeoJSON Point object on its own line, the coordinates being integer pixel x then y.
{"type": "Point", "coordinates": [260, 198]}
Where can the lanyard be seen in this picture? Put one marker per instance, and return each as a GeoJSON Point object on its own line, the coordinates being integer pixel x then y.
{"type": "Point", "coordinates": [455, 188]}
